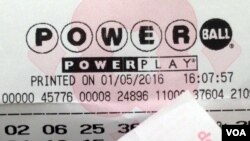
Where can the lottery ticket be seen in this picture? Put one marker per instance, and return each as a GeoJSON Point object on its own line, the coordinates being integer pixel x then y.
{"type": "Point", "coordinates": [94, 70]}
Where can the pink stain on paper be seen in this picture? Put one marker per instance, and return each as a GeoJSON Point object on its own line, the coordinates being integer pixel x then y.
{"type": "Point", "coordinates": [222, 60]}
{"type": "Point", "coordinates": [129, 12]}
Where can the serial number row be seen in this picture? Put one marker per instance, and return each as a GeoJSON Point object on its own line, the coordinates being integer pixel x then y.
{"type": "Point", "coordinates": [122, 96]}
{"type": "Point", "coordinates": [69, 97]}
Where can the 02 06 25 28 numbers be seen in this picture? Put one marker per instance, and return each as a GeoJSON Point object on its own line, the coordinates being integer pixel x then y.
{"type": "Point", "coordinates": [63, 129]}
{"type": "Point", "coordinates": [49, 129]}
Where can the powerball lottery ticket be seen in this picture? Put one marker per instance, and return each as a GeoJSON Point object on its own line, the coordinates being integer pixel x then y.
{"type": "Point", "coordinates": [94, 70]}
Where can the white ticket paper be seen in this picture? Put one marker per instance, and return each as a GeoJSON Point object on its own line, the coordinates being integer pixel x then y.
{"type": "Point", "coordinates": [183, 120]}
